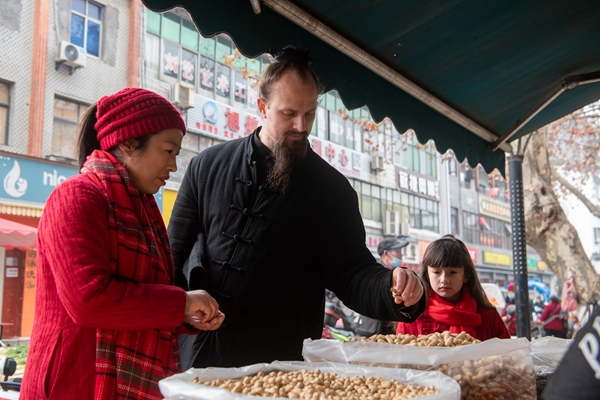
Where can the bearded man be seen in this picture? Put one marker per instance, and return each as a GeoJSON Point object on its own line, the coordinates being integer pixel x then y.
{"type": "Point", "coordinates": [265, 226]}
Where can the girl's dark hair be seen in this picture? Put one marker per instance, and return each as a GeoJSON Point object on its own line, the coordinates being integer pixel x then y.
{"type": "Point", "coordinates": [450, 252]}
{"type": "Point", "coordinates": [88, 137]}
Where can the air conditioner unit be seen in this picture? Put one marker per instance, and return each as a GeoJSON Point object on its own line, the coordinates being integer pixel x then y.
{"type": "Point", "coordinates": [404, 229]}
{"type": "Point", "coordinates": [183, 96]}
{"type": "Point", "coordinates": [391, 223]}
{"type": "Point", "coordinates": [71, 55]}
{"type": "Point", "coordinates": [377, 163]}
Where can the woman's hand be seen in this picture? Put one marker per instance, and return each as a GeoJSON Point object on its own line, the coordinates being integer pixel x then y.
{"type": "Point", "coordinates": [202, 311]}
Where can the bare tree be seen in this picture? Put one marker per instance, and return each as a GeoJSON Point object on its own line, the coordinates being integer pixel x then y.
{"type": "Point", "coordinates": [559, 159]}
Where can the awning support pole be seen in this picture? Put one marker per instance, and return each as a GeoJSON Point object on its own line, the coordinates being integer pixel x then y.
{"type": "Point", "coordinates": [339, 42]}
{"type": "Point", "coordinates": [519, 247]}
{"type": "Point", "coordinates": [568, 83]}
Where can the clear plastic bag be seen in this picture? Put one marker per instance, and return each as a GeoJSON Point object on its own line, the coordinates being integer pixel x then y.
{"type": "Point", "coordinates": [180, 386]}
{"type": "Point", "coordinates": [495, 369]}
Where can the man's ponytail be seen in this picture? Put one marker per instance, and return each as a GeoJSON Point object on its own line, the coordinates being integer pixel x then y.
{"type": "Point", "coordinates": [88, 136]}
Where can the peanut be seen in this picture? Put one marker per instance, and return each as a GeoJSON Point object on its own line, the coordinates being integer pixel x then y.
{"type": "Point", "coordinates": [318, 385]}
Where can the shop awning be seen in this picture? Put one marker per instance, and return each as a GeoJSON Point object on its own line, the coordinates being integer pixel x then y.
{"type": "Point", "coordinates": [471, 75]}
{"type": "Point", "coordinates": [15, 235]}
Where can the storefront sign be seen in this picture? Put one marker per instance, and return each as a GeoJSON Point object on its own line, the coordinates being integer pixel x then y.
{"type": "Point", "coordinates": [411, 254]}
{"type": "Point", "coordinates": [494, 208]}
{"type": "Point", "coordinates": [532, 263]}
{"type": "Point", "coordinates": [541, 265]}
{"type": "Point", "coordinates": [496, 258]}
{"type": "Point", "coordinates": [373, 241]}
{"type": "Point", "coordinates": [12, 272]}
{"type": "Point", "coordinates": [227, 122]}
{"type": "Point", "coordinates": [414, 183]}
{"type": "Point", "coordinates": [27, 180]}
{"type": "Point", "coordinates": [473, 254]}
{"type": "Point", "coordinates": [221, 120]}
{"type": "Point", "coordinates": [349, 162]}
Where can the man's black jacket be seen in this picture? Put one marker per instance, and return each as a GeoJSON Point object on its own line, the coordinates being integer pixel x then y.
{"type": "Point", "coordinates": [267, 258]}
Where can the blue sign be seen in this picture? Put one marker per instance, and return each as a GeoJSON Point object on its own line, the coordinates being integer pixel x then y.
{"type": "Point", "coordinates": [23, 179]}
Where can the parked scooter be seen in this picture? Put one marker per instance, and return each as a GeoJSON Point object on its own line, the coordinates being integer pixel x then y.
{"type": "Point", "coordinates": [10, 386]}
{"type": "Point", "coordinates": [339, 322]}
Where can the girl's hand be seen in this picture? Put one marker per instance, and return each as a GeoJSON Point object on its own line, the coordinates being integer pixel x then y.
{"type": "Point", "coordinates": [407, 285]}
{"type": "Point", "coordinates": [202, 311]}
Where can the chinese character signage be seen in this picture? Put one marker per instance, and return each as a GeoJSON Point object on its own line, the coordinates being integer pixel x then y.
{"type": "Point", "coordinates": [227, 122]}
{"type": "Point", "coordinates": [414, 183]}
{"type": "Point", "coordinates": [373, 242]}
{"type": "Point", "coordinates": [473, 254]}
{"type": "Point", "coordinates": [496, 258]}
{"type": "Point", "coordinates": [494, 208]}
{"type": "Point", "coordinates": [26, 180]}
{"type": "Point", "coordinates": [349, 162]}
{"type": "Point", "coordinates": [217, 119]}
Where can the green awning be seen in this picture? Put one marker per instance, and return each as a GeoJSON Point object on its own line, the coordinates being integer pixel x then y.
{"type": "Point", "coordinates": [491, 62]}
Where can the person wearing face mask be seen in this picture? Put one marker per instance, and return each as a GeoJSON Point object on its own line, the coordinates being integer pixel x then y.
{"type": "Point", "coordinates": [390, 251]}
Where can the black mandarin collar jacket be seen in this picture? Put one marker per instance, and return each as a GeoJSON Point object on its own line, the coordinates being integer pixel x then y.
{"type": "Point", "coordinates": [267, 258]}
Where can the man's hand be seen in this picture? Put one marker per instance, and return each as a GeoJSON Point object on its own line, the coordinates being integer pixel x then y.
{"type": "Point", "coordinates": [202, 311]}
{"type": "Point", "coordinates": [406, 287]}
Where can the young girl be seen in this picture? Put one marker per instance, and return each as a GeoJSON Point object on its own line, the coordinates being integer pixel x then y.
{"type": "Point", "coordinates": [457, 302]}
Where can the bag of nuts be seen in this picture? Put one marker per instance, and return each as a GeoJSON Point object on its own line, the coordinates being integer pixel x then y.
{"type": "Point", "coordinates": [313, 378]}
{"type": "Point", "coordinates": [498, 369]}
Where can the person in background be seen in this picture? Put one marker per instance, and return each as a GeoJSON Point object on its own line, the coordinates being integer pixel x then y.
{"type": "Point", "coordinates": [266, 225]}
{"type": "Point", "coordinates": [552, 319]}
{"type": "Point", "coordinates": [457, 302]}
{"type": "Point", "coordinates": [107, 311]}
{"type": "Point", "coordinates": [390, 252]}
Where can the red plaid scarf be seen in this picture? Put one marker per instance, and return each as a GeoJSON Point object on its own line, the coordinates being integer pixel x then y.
{"type": "Point", "coordinates": [461, 316]}
{"type": "Point", "coordinates": [129, 364]}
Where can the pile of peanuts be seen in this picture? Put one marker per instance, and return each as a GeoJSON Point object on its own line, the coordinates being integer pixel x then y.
{"type": "Point", "coordinates": [318, 385]}
{"type": "Point", "coordinates": [437, 339]}
{"type": "Point", "coordinates": [495, 377]}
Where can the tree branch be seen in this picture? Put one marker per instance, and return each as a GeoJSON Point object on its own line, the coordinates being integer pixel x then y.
{"type": "Point", "coordinates": [595, 210]}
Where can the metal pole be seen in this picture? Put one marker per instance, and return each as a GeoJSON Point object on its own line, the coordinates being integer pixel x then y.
{"type": "Point", "coordinates": [519, 249]}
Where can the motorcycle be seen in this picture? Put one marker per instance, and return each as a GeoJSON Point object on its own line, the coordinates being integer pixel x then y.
{"type": "Point", "coordinates": [10, 387]}
{"type": "Point", "coordinates": [339, 322]}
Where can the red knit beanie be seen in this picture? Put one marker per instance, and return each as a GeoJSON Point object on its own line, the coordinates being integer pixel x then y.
{"type": "Point", "coordinates": [134, 112]}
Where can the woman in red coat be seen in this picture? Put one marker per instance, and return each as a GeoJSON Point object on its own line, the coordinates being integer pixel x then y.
{"type": "Point", "coordinates": [107, 311]}
{"type": "Point", "coordinates": [551, 317]}
{"type": "Point", "coordinates": [457, 302]}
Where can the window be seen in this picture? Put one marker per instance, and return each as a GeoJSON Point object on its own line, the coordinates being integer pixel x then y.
{"type": "Point", "coordinates": [454, 220]}
{"type": "Point", "coordinates": [86, 25]}
{"type": "Point", "coordinates": [423, 213]}
{"type": "Point", "coordinates": [64, 129]}
{"type": "Point", "coordinates": [452, 165]}
{"type": "Point", "coordinates": [431, 160]}
{"type": "Point", "coordinates": [597, 235]}
{"type": "Point", "coordinates": [4, 112]}
{"type": "Point", "coordinates": [470, 227]}
{"type": "Point", "coordinates": [486, 231]}
{"type": "Point", "coordinates": [413, 156]}
{"type": "Point", "coordinates": [371, 198]}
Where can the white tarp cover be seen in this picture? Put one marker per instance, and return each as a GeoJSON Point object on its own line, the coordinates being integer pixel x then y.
{"type": "Point", "coordinates": [336, 351]}
{"type": "Point", "coordinates": [180, 387]}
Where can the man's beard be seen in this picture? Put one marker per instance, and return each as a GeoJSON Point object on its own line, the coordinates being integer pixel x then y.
{"type": "Point", "coordinates": [286, 156]}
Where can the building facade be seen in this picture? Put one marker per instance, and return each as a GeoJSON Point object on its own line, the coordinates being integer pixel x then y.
{"type": "Point", "coordinates": [66, 54]}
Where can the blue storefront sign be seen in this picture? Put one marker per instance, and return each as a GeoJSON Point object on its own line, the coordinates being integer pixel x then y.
{"type": "Point", "coordinates": [26, 180]}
